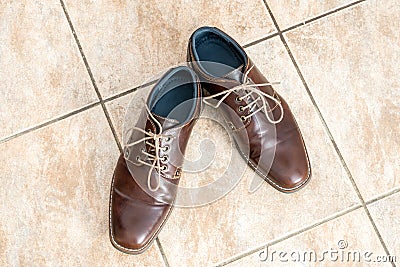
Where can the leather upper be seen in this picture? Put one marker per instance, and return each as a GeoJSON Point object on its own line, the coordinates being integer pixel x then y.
{"type": "Point", "coordinates": [258, 140]}
{"type": "Point", "coordinates": [136, 213]}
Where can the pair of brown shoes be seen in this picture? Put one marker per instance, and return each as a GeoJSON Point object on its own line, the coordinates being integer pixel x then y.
{"type": "Point", "coordinates": [147, 174]}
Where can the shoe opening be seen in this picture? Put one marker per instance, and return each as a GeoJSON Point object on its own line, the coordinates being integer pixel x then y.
{"type": "Point", "coordinates": [175, 95]}
{"type": "Point", "coordinates": [217, 53]}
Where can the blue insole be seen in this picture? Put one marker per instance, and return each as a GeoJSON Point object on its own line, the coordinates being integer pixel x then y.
{"type": "Point", "coordinates": [211, 48]}
{"type": "Point", "coordinates": [176, 104]}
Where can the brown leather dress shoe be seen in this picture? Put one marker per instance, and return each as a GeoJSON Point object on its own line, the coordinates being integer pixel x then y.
{"type": "Point", "coordinates": [252, 109]}
{"type": "Point", "coordinates": [145, 180]}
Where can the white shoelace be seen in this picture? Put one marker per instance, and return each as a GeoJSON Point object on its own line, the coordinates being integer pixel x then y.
{"type": "Point", "coordinates": [153, 154]}
{"type": "Point", "coordinates": [250, 88]}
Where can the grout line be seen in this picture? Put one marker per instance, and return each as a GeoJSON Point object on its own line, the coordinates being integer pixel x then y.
{"type": "Point", "coordinates": [105, 100]}
{"type": "Point", "coordinates": [293, 234]}
{"type": "Point", "coordinates": [129, 91]}
{"type": "Point", "coordinates": [272, 17]}
{"type": "Point", "coordinates": [162, 252]}
{"type": "Point", "coordinates": [338, 152]}
{"type": "Point", "coordinates": [46, 123]}
{"type": "Point", "coordinates": [330, 12]}
{"type": "Point", "coordinates": [279, 33]}
{"type": "Point", "coordinates": [90, 74]}
{"type": "Point", "coordinates": [271, 35]}
{"type": "Point", "coordinates": [102, 103]}
{"type": "Point", "coordinates": [126, 92]}
{"type": "Point", "coordinates": [382, 196]}
{"type": "Point", "coordinates": [295, 26]}
{"type": "Point", "coordinates": [377, 231]}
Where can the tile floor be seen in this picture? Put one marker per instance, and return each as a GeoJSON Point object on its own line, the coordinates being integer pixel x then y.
{"type": "Point", "coordinates": [69, 68]}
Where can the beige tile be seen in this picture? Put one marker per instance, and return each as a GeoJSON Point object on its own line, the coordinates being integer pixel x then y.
{"type": "Point", "coordinates": [211, 152]}
{"type": "Point", "coordinates": [42, 74]}
{"type": "Point", "coordinates": [349, 61]}
{"type": "Point", "coordinates": [289, 12]}
{"type": "Point", "coordinates": [118, 108]}
{"type": "Point", "coordinates": [242, 220]}
{"type": "Point", "coordinates": [386, 215]}
{"type": "Point", "coordinates": [127, 41]}
{"type": "Point", "coordinates": [55, 191]}
{"type": "Point", "coordinates": [348, 237]}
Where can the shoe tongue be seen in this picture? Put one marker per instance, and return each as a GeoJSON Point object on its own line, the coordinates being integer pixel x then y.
{"type": "Point", "coordinates": [166, 123]}
{"type": "Point", "coordinates": [235, 74]}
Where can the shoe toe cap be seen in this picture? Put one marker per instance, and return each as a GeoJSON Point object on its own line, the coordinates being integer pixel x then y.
{"type": "Point", "coordinates": [135, 223]}
{"type": "Point", "coordinates": [288, 171]}
{"type": "Point", "coordinates": [290, 175]}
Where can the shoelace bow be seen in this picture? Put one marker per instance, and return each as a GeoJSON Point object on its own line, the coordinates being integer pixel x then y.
{"type": "Point", "coordinates": [153, 155]}
{"type": "Point", "coordinates": [250, 88]}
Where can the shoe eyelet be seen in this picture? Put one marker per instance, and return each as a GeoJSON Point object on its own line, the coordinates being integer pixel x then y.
{"type": "Point", "coordinates": [243, 118]}
{"type": "Point", "coordinates": [238, 99]}
{"type": "Point", "coordinates": [240, 108]}
{"type": "Point", "coordinates": [167, 139]}
{"type": "Point", "coordinates": [126, 153]}
{"type": "Point", "coordinates": [164, 159]}
{"type": "Point", "coordinates": [138, 159]}
{"type": "Point", "coordinates": [166, 148]}
{"type": "Point", "coordinates": [164, 168]}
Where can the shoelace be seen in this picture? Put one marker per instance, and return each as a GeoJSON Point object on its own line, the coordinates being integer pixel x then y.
{"type": "Point", "coordinates": [250, 88]}
{"type": "Point", "coordinates": [153, 154]}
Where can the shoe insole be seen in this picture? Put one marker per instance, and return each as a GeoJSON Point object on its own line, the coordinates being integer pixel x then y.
{"type": "Point", "coordinates": [176, 103]}
{"type": "Point", "coordinates": [211, 48]}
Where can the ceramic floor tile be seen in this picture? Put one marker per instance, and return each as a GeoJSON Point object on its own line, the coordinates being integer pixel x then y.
{"type": "Point", "coordinates": [289, 12]}
{"type": "Point", "coordinates": [243, 220]}
{"type": "Point", "coordinates": [126, 41]}
{"type": "Point", "coordinates": [349, 61]}
{"type": "Point", "coordinates": [386, 215]}
{"type": "Point", "coordinates": [55, 191]}
{"type": "Point", "coordinates": [42, 74]}
{"type": "Point", "coordinates": [118, 107]}
{"type": "Point", "coordinates": [349, 240]}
